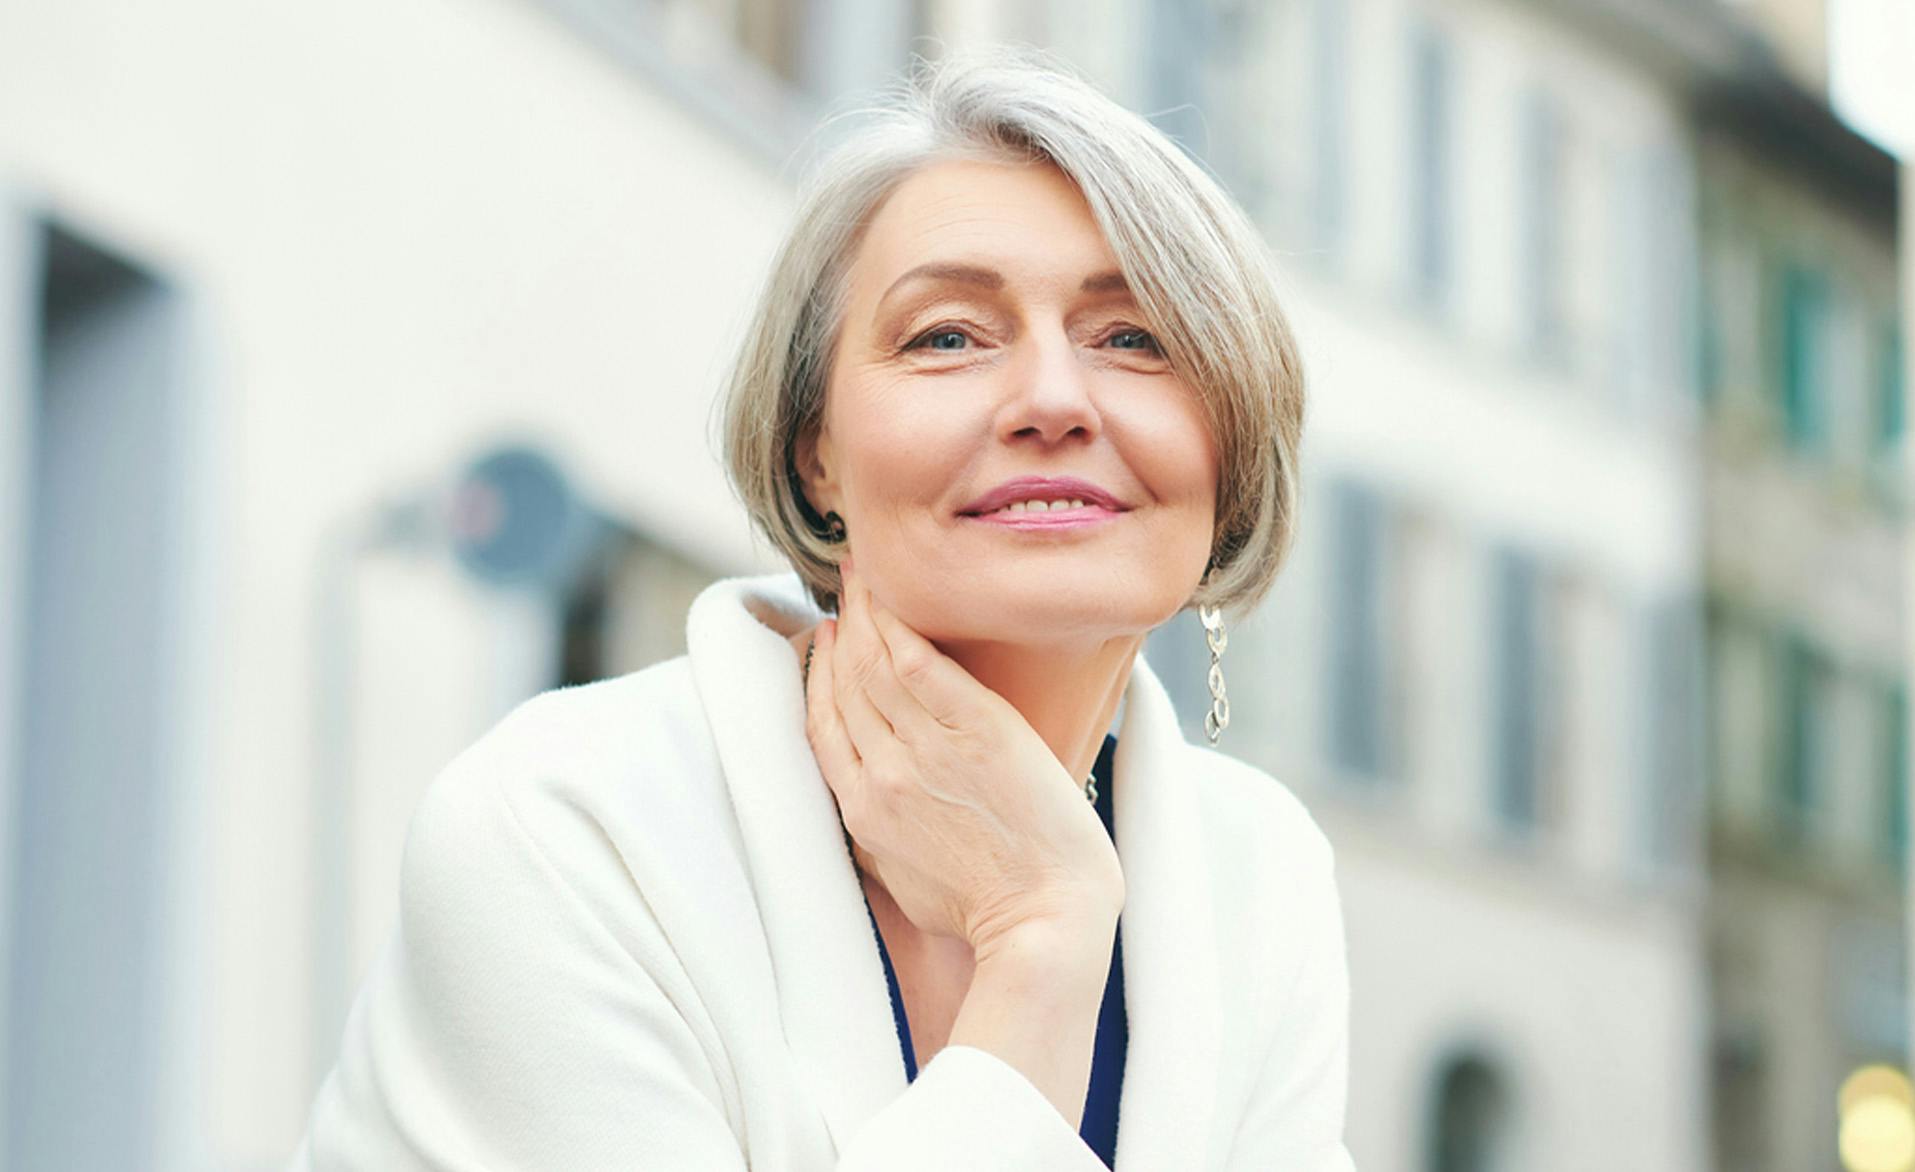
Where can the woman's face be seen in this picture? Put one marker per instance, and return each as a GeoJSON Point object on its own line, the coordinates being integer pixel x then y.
{"type": "Point", "coordinates": [988, 336]}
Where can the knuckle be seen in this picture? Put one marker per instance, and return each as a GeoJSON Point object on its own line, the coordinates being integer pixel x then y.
{"type": "Point", "coordinates": [864, 666]}
{"type": "Point", "coordinates": [911, 663]}
{"type": "Point", "coordinates": [885, 782]}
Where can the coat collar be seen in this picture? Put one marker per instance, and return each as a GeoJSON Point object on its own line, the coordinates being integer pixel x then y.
{"type": "Point", "coordinates": [832, 995]}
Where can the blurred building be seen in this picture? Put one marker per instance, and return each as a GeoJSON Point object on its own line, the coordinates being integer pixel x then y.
{"type": "Point", "coordinates": [1908, 391]}
{"type": "Point", "coordinates": [1794, 35]}
{"type": "Point", "coordinates": [1807, 631]}
{"type": "Point", "coordinates": [356, 369]}
{"type": "Point", "coordinates": [1800, 356]}
{"type": "Point", "coordinates": [1482, 669]}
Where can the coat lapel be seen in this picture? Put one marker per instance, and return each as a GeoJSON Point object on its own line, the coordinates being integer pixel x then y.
{"type": "Point", "coordinates": [1171, 996]}
{"type": "Point", "coordinates": [832, 995]}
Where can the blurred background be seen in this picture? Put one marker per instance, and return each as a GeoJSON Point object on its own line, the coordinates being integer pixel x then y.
{"type": "Point", "coordinates": [357, 363]}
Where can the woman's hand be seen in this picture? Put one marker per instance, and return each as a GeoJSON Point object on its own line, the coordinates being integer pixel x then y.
{"type": "Point", "coordinates": [952, 800]}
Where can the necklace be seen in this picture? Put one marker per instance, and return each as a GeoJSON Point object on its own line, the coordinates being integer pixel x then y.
{"type": "Point", "coordinates": [1090, 783]}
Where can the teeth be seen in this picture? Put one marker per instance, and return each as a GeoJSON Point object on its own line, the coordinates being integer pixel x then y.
{"type": "Point", "coordinates": [1039, 506]}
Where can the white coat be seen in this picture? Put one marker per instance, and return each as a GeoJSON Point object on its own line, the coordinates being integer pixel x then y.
{"type": "Point", "coordinates": [630, 936]}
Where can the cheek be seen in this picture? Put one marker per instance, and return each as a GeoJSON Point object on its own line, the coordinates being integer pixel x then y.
{"type": "Point", "coordinates": [1202, 462]}
{"type": "Point", "coordinates": [1175, 455]}
{"type": "Point", "coordinates": [897, 450]}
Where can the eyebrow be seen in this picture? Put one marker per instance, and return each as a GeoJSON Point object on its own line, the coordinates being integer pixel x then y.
{"type": "Point", "coordinates": [986, 278]}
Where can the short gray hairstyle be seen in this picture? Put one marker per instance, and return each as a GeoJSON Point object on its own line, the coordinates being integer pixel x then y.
{"type": "Point", "coordinates": [1200, 272]}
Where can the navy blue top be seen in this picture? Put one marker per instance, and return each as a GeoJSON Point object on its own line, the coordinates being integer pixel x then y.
{"type": "Point", "coordinates": [1099, 1128]}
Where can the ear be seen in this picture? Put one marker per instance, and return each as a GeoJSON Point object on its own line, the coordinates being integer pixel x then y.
{"type": "Point", "coordinates": [816, 463]}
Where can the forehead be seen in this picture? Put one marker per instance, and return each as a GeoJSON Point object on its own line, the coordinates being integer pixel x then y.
{"type": "Point", "coordinates": [1028, 220]}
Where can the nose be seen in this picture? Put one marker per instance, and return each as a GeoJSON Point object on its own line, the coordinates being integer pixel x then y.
{"type": "Point", "coordinates": [1050, 396]}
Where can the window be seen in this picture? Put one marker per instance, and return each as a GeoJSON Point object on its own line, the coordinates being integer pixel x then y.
{"type": "Point", "coordinates": [1706, 354]}
{"type": "Point", "coordinates": [1519, 741]}
{"type": "Point", "coordinates": [1718, 629]}
{"type": "Point", "coordinates": [1330, 118]}
{"type": "Point", "coordinates": [1672, 714]}
{"type": "Point", "coordinates": [769, 33]}
{"type": "Point", "coordinates": [1361, 729]}
{"type": "Point", "coordinates": [1895, 773]}
{"type": "Point", "coordinates": [1741, 1061]}
{"type": "Point", "coordinates": [1175, 59]}
{"type": "Point", "coordinates": [1660, 299]}
{"type": "Point", "coordinates": [1800, 683]}
{"type": "Point", "coordinates": [1803, 338]}
{"type": "Point", "coordinates": [1542, 225]}
{"type": "Point", "coordinates": [766, 32]}
{"type": "Point", "coordinates": [1890, 409]}
{"type": "Point", "coordinates": [1430, 121]}
{"type": "Point", "coordinates": [1470, 1117]}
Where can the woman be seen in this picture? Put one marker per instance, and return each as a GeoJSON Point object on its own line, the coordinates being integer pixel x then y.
{"type": "Point", "coordinates": [828, 892]}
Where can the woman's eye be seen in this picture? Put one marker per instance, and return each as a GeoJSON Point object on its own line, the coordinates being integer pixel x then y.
{"type": "Point", "coordinates": [953, 339]}
{"type": "Point", "coordinates": [1136, 340]}
{"type": "Point", "coordinates": [941, 338]}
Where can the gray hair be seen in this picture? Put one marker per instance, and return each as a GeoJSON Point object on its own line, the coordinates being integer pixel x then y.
{"type": "Point", "coordinates": [1198, 268]}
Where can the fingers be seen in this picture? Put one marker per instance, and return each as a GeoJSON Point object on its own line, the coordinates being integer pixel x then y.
{"type": "Point", "coordinates": [943, 689]}
{"type": "Point", "coordinates": [868, 667]}
{"type": "Point", "coordinates": [854, 662]}
{"type": "Point", "coordinates": [837, 757]}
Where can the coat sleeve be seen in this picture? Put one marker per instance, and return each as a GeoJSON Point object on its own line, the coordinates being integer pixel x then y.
{"type": "Point", "coordinates": [506, 1027]}
{"type": "Point", "coordinates": [1295, 1118]}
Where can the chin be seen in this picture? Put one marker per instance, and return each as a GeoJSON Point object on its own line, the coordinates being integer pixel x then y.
{"type": "Point", "coordinates": [1103, 606]}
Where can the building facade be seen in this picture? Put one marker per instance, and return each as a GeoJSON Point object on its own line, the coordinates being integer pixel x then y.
{"type": "Point", "coordinates": [1800, 367]}
{"type": "Point", "coordinates": [1481, 669]}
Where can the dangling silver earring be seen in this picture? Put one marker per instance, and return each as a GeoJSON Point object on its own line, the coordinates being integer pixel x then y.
{"type": "Point", "coordinates": [1218, 717]}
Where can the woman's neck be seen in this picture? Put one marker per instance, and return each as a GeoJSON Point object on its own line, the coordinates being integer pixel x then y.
{"type": "Point", "coordinates": [1068, 695]}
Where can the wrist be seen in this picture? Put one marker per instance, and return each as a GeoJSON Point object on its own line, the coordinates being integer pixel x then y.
{"type": "Point", "coordinates": [1051, 947]}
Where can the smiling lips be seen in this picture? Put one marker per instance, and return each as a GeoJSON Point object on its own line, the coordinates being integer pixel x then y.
{"type": "Point", "coordinates": [1050, 503]}
{"type": "Point", "coordinates": [1043, 495]}
{"type": "Point", "coordinates": [1036, 506]}
{"type": "Point", "coordinates": [1063, 514]}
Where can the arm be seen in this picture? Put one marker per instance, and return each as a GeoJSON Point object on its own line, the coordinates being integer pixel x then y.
{"type": "Point", "coordinates": [507, 1027]}
{"type": "Point", "coordinates": [1033, 1002]}
{"type": "Point", "coordinates": [1007, 1091]}
{"type": "Point", "coordinates": [1295, 1118]}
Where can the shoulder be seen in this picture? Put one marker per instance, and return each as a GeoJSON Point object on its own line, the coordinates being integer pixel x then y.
{"type": "Point", "coordinates": [1278, 902]}
{"type": "Point", "coordinates": [1290, 996]}
{"type": "Point", "coordinates": [583, 788]}
{"type": "Point", "coordinates": [1246, 810]}
{"type": "Point", "coordinates": [605, 723]}
{"type": "Point", "coordinates": [597, 745]}
{"type": "Point", "coordinates": [533, 985]}
{"type": "Point", "coordinates": [1273, 872]}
